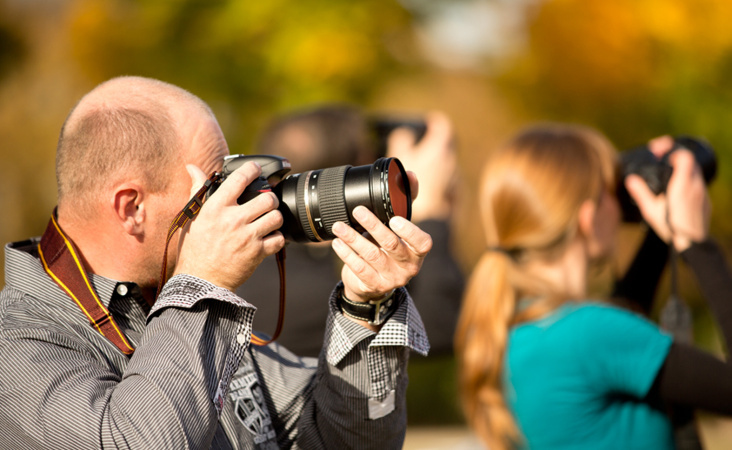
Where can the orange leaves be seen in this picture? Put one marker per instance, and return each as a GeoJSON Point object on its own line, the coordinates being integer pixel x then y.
{"type": "Point", "coordinates": [586, 47]}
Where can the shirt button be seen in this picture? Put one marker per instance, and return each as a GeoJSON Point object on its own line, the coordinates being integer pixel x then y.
{"type": "Point", "coordinates": [241, 338]}
{"type": "Point", "coordinates": [122, 289]}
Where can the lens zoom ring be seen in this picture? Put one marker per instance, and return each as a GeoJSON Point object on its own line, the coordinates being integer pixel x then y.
{"type": "Point", "coordinates": [300, 205]}
{"type": "Point", "coordinates": [331, 193]}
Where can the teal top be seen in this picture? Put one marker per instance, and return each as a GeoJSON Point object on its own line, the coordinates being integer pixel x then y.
{"type": "Point", "coordinates": [576, 379]}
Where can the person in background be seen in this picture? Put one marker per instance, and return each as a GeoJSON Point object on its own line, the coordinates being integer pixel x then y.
{"type": "Point", "coordinates": [543, 365]}
{"type": "Point", "coordinates": [338, 134]}
{"type": "Point", "coordinates": [93, 358]}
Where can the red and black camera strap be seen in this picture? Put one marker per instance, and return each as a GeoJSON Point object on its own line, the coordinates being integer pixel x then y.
{"type": "Point", "coordinates": [62, 262]}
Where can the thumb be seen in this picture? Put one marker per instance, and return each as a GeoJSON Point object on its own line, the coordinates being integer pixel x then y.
{"type": "Point", "coordinates": [198, 178]}
{"type": "Point", "coordinates": [400, 141]}
{"type": "Point", "coordinates": [439, 127]}
{"type": "Point", "coordinates": [640, 192]}
{"type": "Point", "coordinates": [413, 184]}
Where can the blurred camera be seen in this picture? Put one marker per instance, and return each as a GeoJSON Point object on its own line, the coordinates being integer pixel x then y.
{"type": "Point", "coordinates": [311, 202]}
{"type": "Point", "coordinates": [381, 127]}
{"type": "Point", "coordinates": [657, 172]}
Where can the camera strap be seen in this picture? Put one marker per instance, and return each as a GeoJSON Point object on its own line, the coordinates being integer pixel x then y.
{"type": "Point", "coordinates": [189, 212]}
{"type": "Point", "coordinates": [62, 263]}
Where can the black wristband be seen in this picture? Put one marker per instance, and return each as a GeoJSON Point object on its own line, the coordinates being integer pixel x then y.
{"type": "Point", "coordinates": [375, 312]}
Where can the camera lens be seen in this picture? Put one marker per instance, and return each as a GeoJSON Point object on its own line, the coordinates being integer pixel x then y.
{"type": "Point", "coordinates": [311, 202]}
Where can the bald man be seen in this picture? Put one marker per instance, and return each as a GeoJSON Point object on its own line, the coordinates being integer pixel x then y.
{"type": "Point", "coordinates": [92, 358]}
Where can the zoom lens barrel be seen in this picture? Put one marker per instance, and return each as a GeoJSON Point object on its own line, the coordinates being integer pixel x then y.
{"type": "Point", "coordinates": [311, 202]}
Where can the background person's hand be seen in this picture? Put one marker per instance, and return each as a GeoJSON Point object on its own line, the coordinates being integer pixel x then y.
{"type": "Point", "coordinates": [227, 241]}
{"type": "Point", "coordinates": [373, 268]}
{"type": "Point", "coordinates": [434, 161]}
{"type": "Point", "coordinates": [681, 214]}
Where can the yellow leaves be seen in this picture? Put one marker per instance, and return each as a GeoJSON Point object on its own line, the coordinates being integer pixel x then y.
{"type": "Point", "coordinates": [321, 44]}
{"type": "Point", "coordinates": [102, 32]}
{"type": "Point", "coordinates": [699, 27]}
{"type": "Point", "coordinates": [243, 19]}
{"type": "Point", "coordinates": [664, 20]}
{"type": "Point", "coordinates": [614, 50]}
{"type": "Point", "coordinates": [329, 53]}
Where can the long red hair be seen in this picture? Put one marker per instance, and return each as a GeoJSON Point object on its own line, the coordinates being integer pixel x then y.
{"type": "Point", "coordinates": [531, 193]}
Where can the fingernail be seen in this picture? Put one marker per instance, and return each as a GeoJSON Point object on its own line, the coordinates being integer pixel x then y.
{"type": "Point", "coordinates": [397, 223]}
{"type": "Point", "coordinates": [339, 227]}
{"type": "Point", "coordinates": [633, 180]}
{"type": "Point", "coordinates": [360, 213]}
{"type": "Point", "coordinates": [337, 244]}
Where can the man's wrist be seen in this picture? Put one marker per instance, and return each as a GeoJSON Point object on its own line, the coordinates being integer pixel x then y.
{"type": "Point", "coordinates": [375, 312]}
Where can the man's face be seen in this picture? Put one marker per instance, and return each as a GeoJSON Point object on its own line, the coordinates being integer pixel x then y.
{"type": "Point", "coordinates": [203, 145]}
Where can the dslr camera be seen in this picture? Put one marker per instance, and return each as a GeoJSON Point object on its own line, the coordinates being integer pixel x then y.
{"type": "Point", "coordinates": [311, 202]}
{"type": "Point", "coordinates": [657, 172]}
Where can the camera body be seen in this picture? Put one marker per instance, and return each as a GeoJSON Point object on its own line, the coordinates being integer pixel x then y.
{"type": "Point", "coordinates": [657, 172]}
{"type": "Point", "coordinates": [274, 168]}
{"type": "Point", "coordinates": [311, 202]}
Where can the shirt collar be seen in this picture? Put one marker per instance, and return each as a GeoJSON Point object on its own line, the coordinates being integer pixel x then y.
{"type": "Point", "coordinates": [24, 271]}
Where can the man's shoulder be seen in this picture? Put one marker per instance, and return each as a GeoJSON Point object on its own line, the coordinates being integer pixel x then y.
{"type": "Point", "coordinates": [29, 294]}
{"type": "Point", "coordinates": [24, 270]}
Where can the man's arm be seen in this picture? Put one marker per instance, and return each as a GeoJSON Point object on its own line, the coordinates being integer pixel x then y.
{"type": "Point", "coordinates": [374, 266]}
{"type": "Point", "coordinates": [355, 398]}
{"type": "Point", "coordinates": [66, 386]}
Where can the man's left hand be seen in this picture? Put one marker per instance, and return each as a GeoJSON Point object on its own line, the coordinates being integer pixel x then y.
{"type": "Point", "coordinates": [374, 267]}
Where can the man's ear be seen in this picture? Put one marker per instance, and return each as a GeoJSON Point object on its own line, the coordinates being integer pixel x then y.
{"type": "Point", "coordinates": [586, 218]}
{"type": "Point", "coordinates": [129, 208]}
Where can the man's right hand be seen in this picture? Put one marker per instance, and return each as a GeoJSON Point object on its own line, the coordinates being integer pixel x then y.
{"type": "Point", "coordinates": [227, 241]}
{"type": "Point", "coordinates": [434, 160]}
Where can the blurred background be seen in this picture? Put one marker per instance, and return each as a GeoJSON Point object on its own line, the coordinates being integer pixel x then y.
{"type": "Point", "coordinates": [633, 69]}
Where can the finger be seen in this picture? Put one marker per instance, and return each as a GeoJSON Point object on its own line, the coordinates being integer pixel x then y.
{"type": "Point", "coordinates": [661, 145]}
{"type": "Point", "coordinates": [382, 235]}
{"type": "Point", "coordinates": [439, 128]}
{"type": "Point", "coordinates": [259, 205]}
{"type": "Point", "coordinates": [273, 242]}
{"type": "Point", "coordinates": [267, 223]}
{"type": "Point", "coordinates": [639, 191]}
{"type": "Point", "coordinates": [418, 240]}
{"type": "Point", "coordinates": [271, 222]}
{"type": "Point", "coordinates": [236, 182]}
{"type": "Point", "coordinates": [198, 178]}
{"type": "Point", "coordinates": [400, 141]}
{"type": "Point", "coordinates": [355, 262]}
{"type": "Point", "coordinates": [366, 249]}
{"type": "Point", "coordinates": [683, 163]}
{"type": "Point", "coordinates": [413, 184]}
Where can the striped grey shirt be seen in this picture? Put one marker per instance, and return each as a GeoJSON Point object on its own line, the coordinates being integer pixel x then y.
{"type": "Point", "coordinates": [194, 380]}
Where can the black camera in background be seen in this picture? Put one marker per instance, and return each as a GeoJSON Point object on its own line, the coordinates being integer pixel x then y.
{"type": "Point", "coordinates": [657, 172]}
